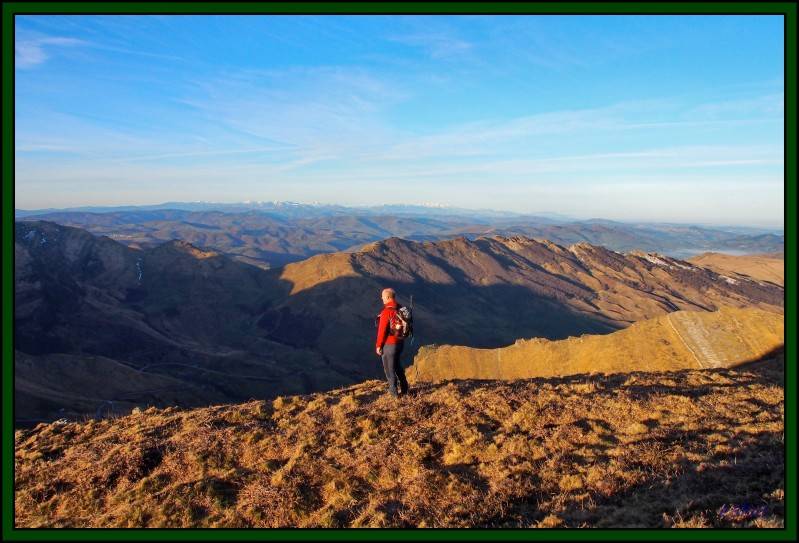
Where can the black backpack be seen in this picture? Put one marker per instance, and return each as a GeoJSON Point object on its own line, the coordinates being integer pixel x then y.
{"type": "Point", "coordinates": [400, 324]}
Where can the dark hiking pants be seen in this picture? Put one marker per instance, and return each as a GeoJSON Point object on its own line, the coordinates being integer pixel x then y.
{"type": "Point", "coordinates": [393, 368]}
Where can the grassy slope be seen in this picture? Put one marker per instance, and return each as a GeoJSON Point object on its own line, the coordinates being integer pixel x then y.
{"type": "Point", "coordinates": [679, 340]}
{"type": "Point", "coordinates": [63, 385]}
{"type": "Point", "coordinates": [636, 449]}
{"type": "Point", "coordinates": [766, 267]}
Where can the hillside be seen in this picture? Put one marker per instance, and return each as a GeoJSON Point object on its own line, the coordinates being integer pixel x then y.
{"type": "Point", "coordinates": [678, 340]}
{"type": "Point", "coordinates": [691, 448]}
{"type": "Point", "coordinates": [123, 327]}
{"type": "Point", "coordinates": [767, 267]}
{"type": "Point", "coordinates": [222, 329]}
{"type": "Point", "coordinates": [491, 291]}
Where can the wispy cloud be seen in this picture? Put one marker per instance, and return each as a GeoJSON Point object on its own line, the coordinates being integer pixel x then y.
{"type": "Point", "coordinates": [438, 46]}
{"type": "Point", "coordinates": [278, 107]}
{"type": "Point", "coordinates": [34, 51]}
{"type": "Point", "coordinates": [711, 161]}
{"type": "Point", "coordinates": [200, 154]}
{"type": "Point", "coordinates": [330, 107]}
{"type": "Point", "coordinates": [489, 136]}
{"type": "Point", "coordinates": [128, 51]}
{"type": "Point", "coordinates": [769, 105]}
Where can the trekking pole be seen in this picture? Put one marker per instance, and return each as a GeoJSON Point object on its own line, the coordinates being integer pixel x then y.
{"type": "Point", "coordinates": [413, 336]}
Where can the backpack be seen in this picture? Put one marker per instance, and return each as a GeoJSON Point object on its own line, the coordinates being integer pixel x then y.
{"type": "Point", "coordinates": [400, 324]}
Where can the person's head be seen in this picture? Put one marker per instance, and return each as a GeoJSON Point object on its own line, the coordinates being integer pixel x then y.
{"type": "Point", "coordinates": [387, 295]}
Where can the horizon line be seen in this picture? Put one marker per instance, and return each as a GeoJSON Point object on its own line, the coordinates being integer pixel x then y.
{"type": "Point", "coordinates": [430, 206]}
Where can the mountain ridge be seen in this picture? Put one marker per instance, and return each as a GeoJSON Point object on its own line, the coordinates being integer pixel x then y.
{"type": "Point", "coordinates": [310, 325]}
{"type": "Point", "coordinates": [274, 237]}
{"type": "Point", "coordinates": [676, 341]}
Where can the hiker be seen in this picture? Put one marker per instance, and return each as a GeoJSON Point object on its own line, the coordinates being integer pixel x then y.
{"type": "Point", "coordinates": [391, 332]}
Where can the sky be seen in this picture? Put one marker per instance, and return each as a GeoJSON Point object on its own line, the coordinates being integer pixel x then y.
{"type": "Point", "coordinates": [661, 118]}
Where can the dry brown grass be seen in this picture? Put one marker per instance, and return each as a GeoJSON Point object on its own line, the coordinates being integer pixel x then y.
{"type": "Point", "coordinates": [679, 340]}
{"type": "Point", "coordinates": [681, 449]}
{"type": "Point", "coordinates": [762, 267]}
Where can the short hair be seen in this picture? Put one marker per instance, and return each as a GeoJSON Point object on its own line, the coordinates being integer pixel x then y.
{"type": "Point", "coordinates": [389, 292]}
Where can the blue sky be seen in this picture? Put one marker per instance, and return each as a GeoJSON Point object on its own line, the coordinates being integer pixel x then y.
{"type": "Point", "coordinates": [667, 118]}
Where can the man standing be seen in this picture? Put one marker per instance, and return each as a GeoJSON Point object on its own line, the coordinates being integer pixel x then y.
{"type": "Point", "coordinates": [389, 346]}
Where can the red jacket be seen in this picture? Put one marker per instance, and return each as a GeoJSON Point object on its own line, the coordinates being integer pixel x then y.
{"type": "Point", "coordinates": [383, 336]}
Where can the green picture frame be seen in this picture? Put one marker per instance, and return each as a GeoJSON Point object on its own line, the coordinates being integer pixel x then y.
{"type": "Point", "coordinates": [11, 9]}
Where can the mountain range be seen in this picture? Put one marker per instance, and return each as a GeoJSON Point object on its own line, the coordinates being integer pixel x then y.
{"type": "Point", "coordinates": [275, 234]}
{"type": "Point", "coordinates": [553, 385]}
{"type": "Point", "coordinates": [303, 210]}
{"type": "Point", "coordinates": [175, 323]}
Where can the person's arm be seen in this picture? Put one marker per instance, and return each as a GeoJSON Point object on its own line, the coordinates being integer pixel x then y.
{"type": "Point", "coordinates": [382, 332]}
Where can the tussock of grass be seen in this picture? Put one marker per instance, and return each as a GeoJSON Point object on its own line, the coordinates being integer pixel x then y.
{"type": "Point", "coordinates": [681, 449]}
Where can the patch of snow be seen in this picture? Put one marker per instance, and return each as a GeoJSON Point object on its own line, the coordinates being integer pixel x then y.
{"type": "Point", "coordinates": [30, 235]}
{"type": "Point", "coordinates": [683, 266]}
{"type": "Point", "coordinates": [43, 240]}
{"type": "Point", "coordinates": [139, 270]}
{"type": "Point", "coordinates": [730, 280]}
{"type": "Point", "coordinates": [655, 260]}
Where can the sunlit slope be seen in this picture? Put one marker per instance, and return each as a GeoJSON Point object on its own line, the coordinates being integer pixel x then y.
{"type": "Point", "coordinates": [768, 267]}
{"type": "Point", "coordinates": [679, 340]}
